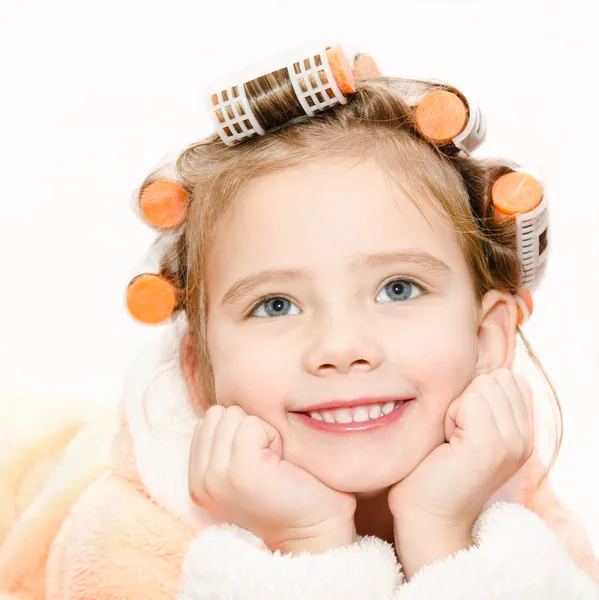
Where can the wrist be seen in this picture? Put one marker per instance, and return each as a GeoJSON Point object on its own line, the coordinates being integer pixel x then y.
{"type": "Point", "coordinates": [427, 524]}
{"type": "Point", "coordinates": [419, 546]}
{"type": "Point", "coordinates": [319, 542]}
{"type": "Point", "coordinates": [431, 530]}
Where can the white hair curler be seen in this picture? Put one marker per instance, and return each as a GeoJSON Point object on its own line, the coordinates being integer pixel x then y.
{"type": "Point", "coordinates": [320, 79]}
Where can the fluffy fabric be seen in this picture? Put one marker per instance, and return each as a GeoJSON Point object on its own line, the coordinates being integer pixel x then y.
{"type": "Point", "coordinates": [52, 449]}
{"type": "Point", "coordinates": [516, 557]}
{"type": "Point", "coordinates": [161, 420]}
{"type": "Point", "coordinates": [228, 563]}
{"type": "Point", "coordinates": [117, 544]}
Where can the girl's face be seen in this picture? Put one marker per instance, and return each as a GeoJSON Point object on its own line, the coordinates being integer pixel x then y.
{"type": "Point", "coordinates": [367, 300]}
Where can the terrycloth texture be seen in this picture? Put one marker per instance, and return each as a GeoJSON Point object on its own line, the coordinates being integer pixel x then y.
{"type": "Point", "coordinates": [51, 450]}
{"type": "Point", "coordinates": [227, 563]}
{"type": "Point", "coordinates": [516, 557]}
{"type": "Point", "coordinates": [94, 501]}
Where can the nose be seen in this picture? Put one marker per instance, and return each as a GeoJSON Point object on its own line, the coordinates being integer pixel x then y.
{"type": "Point", "coordinates": [342, 346]}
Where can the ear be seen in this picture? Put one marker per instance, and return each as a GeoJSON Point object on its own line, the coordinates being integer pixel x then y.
{"type": "Point", "coordinates": [496, 337]}
{"type": "Point", "coordinates": [188, 364]}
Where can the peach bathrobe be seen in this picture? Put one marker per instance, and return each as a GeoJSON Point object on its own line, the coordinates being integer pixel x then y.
{"type": "Point", "coordinates": [94, 503]}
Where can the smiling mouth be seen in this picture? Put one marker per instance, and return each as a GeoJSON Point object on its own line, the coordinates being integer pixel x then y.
{"type": "Point", "coordinates": [356, 414]}
{"type": "Point", "coordinates": [360, 419]}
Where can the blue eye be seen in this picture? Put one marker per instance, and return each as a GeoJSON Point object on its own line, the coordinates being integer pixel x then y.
{"type": "Point", "coordinates": [397, 290]}
{"type": "Point", "coordinates": [400, 290]}
{"type": "Point", "coordinates": [274, 307]}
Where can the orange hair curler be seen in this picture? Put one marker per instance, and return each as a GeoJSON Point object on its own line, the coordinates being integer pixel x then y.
{"type": "Point", "coordinates": [164, 204]}
{"type": "Point", "coordinates": [516, 192]}
{"type": "Point", "coordinates": [365, 67]}
{"type": "Point", "coordinates": [340, 69]}
{"type": "Point", "coordinates": [151, 298]}
{"type": "Point", "coordinates": [444, 117]}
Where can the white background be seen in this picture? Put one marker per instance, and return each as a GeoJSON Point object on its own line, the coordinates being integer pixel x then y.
{"type": "Point", "coordinates": [95, 95]}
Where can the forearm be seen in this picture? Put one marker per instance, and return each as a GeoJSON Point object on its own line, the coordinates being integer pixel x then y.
{"type": "Point", "coordinates": [418, 545]}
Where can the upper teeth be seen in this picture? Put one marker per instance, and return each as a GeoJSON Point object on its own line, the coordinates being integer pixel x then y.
{"type": "Point", "coordinates": [357, 414]}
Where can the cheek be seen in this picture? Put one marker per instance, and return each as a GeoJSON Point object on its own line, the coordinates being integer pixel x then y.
{"type": "Point", "coordinates": [252, 375]}
{"type": "Point", "coordinates": [437, 355]}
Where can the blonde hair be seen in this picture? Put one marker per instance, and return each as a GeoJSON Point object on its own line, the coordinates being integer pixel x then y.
{"type": "Point", "coordinates": [377, 122]}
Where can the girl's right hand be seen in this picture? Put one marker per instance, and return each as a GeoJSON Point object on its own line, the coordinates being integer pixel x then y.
{"type": "Point", "coordinates": [236, 471]}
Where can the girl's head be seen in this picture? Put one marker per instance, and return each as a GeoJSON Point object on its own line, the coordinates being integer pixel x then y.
{"type": "Point", "coordinates": [344, 257]}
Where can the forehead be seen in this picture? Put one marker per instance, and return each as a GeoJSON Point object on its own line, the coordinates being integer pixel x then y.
{"type": "Point", "coordinates": [324, 214]}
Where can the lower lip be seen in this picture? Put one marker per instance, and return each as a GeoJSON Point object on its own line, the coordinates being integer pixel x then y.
{"type": "Point", "coordinates": [355, 427]}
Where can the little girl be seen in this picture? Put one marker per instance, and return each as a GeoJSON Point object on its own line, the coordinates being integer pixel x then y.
{"type": "Point", "coordinates": [352, 287]}
{"type": "Point", "coordinates": [349, 282]}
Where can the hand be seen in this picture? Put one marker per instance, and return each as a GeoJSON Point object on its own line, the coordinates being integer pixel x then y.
{"type": "Point", "coordinates": [489, 430]}
{"type": "Point", "coordinates": [236, 471]}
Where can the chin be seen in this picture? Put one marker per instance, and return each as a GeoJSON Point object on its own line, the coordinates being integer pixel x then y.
{"type": "Point", "coordinates": [363, 484]}
{"type": "Point", "coordinates": [356, 469]}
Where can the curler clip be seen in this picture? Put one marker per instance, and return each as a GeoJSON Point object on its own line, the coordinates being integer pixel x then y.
{"type": "Point", "coordinates": [519, 195]}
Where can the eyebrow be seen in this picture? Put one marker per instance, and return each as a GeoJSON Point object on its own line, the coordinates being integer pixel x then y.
{"type": "Point", "coordinates": [416, 258]}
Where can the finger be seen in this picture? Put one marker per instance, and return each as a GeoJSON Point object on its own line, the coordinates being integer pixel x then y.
{"type": "Point", "coordinates": [253, 438]}
{"type": "Point", "coordinates": [526, 408]}
{"type": "Point", "coordinates": [222, 445]}
{"type": "Point", "coordinates": [516, 395]}
{"type": "Point", "coordinates": [200, 450]}
{"type": "Point", "coordinates": [500, 403]}
{"type": "Point", "coordinates": [515, 431]}
{"type": "Point", "coordinates": [469, 415]}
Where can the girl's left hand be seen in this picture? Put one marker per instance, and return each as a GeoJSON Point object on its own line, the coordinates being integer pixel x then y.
{"type": "Point", "coordinates": [489, 430]}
